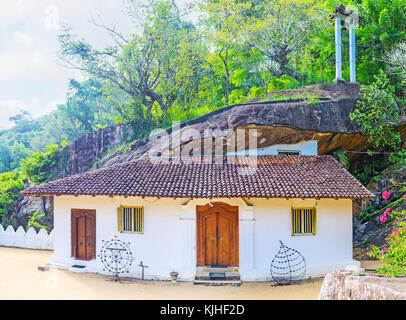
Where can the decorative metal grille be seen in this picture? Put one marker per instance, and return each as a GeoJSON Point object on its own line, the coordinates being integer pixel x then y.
{"type": "Point", "coordinates": [303, 221]}
{"type": "Point", "coordinates": [116, 256]}
{"type": "Point", "coordinates": [130, 219]}
{"type": "Point", "coordinates": [288, 265]}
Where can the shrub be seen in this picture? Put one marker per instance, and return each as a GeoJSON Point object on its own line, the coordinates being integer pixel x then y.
{"type": "Point", "coordinates": [377, 114]}
{"type": "Point", "coordinates": [394, 255]}
{"type": "Point", "coordinates": [33, 222]}
{"type": "Point", "coordinates": [10, 184]}
{"type": "Point", "coordinates": [36, 167]}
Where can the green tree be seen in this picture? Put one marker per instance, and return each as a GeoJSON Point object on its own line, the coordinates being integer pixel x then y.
{"type": "Point", "coordinates": [222, 20]}
{"type": "Point", "coordinates": [377, 114]}
{"type": "Point", "coordinates": [280, 29]}
{"type": "Point", "coordinates": [149, 67]}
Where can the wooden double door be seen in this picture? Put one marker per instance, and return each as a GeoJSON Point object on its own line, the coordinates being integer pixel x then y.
{"type": "Point", "coordinates": [83, 234]}
{"type": "Point", "coordinates": [217, 235]}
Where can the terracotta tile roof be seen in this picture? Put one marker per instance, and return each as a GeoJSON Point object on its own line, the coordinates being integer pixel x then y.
{"type": "Point", "coordinates": [274, 177]}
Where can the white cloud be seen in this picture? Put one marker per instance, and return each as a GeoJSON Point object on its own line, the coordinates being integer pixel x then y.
{"type": "Point", "coordinates": [31, 77]}
{"type": "Point", "coordinates": [9, 108]}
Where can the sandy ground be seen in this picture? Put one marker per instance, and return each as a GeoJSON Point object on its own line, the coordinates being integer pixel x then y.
{"type": "Point", "coordinates": [21, 279]}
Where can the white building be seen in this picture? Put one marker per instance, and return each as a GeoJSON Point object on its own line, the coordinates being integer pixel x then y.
{"type": "Point", "coordinates": [191, 217]}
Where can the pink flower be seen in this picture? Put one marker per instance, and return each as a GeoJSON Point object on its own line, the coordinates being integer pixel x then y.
{"type": "Point", "coordinates": [385, 195]}
{"type": "Point", "coordinates": [383, 218]}
{"type": "Point", "coordinates": [386, 212]}
{"type": "Point", "coordinates": [395, 232]}
{"type": "Point", "coordinates": [397, 222]}
{"type": "Point", "coordinates": [404, 197]}
{"type": "Point", "coordinates": [383, 250]}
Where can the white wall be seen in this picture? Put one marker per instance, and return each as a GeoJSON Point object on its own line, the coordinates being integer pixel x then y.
{"type": "Point", "coordinates": [306, 148]}
{"type": "Point", "coordinates": [169, 239]}
{"type": "Point", "coordinates": [30, 239]}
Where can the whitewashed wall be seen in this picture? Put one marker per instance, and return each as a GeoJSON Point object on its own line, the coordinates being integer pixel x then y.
{"type": "Point", "coordinates": [169, 239]}
{"type": "Point", "coordinates": [306, 148]}
{"type": "Point", "coordinates": [30, 239]}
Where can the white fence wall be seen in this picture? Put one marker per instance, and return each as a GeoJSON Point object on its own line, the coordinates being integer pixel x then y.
{"type": "Point", "coordinates": [30, 239]}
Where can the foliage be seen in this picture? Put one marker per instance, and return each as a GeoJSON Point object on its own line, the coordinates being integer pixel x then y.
{"type": "Point", "coordinates": [279, 29]}
{"type": "Point", "coordinates": [36, 167]}
{"type": "Point", "coordinates": [341, 156]}
{"type": "Point", "coordinates": [396, 60]}
{"type": "Point", "coordinates": [367, 213]}
{"type": "Point", "coordinates": [10, 185]}
{"type": "Point", "coordinates": [394, 255]}
{"type": "Point", "coordinates": [365, 174]}
{"type": "Point", "coordinates": [33, 222]}
{"type": "Point", "coordinates": [377, 114]}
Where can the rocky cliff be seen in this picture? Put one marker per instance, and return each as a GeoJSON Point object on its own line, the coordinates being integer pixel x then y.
{"type": "Point", "coordinates": [80, 155]}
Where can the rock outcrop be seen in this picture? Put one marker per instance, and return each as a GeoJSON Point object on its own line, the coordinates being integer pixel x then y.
{"type": "Point", "coordinates": [80, 155]}
{"type": "Point", "coordinates": [345, 285]}
{"type": "Point", "coordinates": [325, 119]}
{"type": "Point", "coordinates": [24, 209]}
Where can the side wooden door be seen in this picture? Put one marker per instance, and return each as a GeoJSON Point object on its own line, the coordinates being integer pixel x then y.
{"type": "Point", "coordinates": [83, 234]}
{"type": "Point", "coordinates": [217, 235]}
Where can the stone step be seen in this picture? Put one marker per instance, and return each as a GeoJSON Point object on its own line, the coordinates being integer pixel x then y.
{"type": "Point", "coordinates": [218, 282]}
{"type": "Point", "coordinates": [217, 276]}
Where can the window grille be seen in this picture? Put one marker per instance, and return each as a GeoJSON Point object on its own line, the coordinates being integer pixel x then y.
{"type": "Point", "coordinates": [288, 153]}
{"type": "Point", "coordinates": [130, 219]}
{"type": "Point", "coordinates": [303, 221]}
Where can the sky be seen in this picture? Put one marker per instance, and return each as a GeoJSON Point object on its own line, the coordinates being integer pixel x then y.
{"type": "Point", "coordinates": [31, 76]}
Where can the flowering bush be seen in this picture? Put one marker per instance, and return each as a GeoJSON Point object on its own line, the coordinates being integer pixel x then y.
{"type": "Point", "coordinates": [385, 195]}
{"type": "Point", "coordinates": [394, 255]}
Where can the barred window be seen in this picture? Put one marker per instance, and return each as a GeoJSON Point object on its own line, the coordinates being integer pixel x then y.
{"type": "Point", "coordinates": [303, 221]}
{"type": "Point", "coordinates": [288, 153]}
{"type": "Point", "coordinates": [130, 219]}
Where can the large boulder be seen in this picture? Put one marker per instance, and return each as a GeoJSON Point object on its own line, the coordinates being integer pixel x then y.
{"type": "Point", "coordinates": [25, 207]}
{"type": "Point", "coordinates": [347, 285]}
{"type": "Point", "coordinates": [80, 155]}
{"type": "Point", "coordinates": [324, 118]}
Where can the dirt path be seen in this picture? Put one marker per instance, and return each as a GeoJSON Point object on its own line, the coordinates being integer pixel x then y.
{"type": "Point", "coordinates": [20, 279]}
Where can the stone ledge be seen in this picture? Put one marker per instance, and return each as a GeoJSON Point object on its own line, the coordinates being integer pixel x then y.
{"type": "Point", "coordinates": [347, 285]}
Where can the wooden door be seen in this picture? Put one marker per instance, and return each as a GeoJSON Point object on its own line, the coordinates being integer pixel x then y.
{"type": "Point", "coordinates": [217, 235]}
{"type": "Point", "coordinates": [83, 234]}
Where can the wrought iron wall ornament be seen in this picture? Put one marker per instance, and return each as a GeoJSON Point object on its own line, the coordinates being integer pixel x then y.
{"type": "Point", "coordinates": [116, 256]}
{"type": "Point", "coordinates": [287, 265]}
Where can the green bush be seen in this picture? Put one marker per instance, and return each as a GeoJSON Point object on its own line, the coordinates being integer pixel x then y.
{"type": "Point", "coordinates": [394, 255]}
{"type": "Point", "coordinates": [367, 173]}
{"type": "Point", "coordinates": [33, 222]}
{"type": "Point", "coordinates": [10, 184]}
{"type": "Point", "coordinates": [36, 167]}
